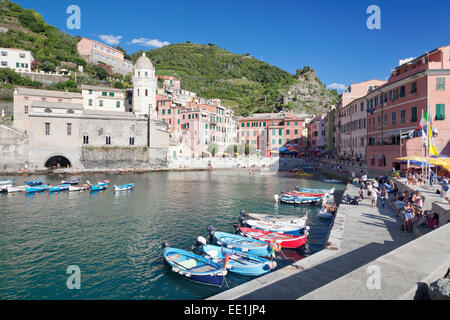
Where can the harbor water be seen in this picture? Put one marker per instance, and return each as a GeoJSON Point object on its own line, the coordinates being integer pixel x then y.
{"type": "Point", "coordinates": [115, 238]}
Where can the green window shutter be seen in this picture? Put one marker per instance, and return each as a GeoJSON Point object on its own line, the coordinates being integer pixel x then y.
{"type": "Point", "coordinates": [163, 111]}
{"type": "Point", "coordinates": [104, 94]}
{"type": "Point", "coordinates": [414, 114]}
{"type": "Point", "coordinates": [169, 111]}
{"type": "Point", "coordinates": [280, 132]}
{"type": "Point", "coordinates": [243, 125]}
{"type": "Point", "coordinates": [440, 84]}
{"type": "Point", "coordinates": [440, 112]}
{"type": "Point", "coordinates": [287, 131]}
{"type": "Point", "coordinates": [280, 141]}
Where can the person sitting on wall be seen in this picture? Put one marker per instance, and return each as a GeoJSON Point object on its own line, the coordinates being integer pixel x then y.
{"type": "Point", "coordinates": [433, 221]}
{"type": "Point", "coordinates": [333, 209]}
{"type": "Point", "coordinates": [407, 217]}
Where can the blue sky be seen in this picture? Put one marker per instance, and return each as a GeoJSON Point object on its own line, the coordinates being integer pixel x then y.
{"type": "Point", "coordinates": [330, 36]}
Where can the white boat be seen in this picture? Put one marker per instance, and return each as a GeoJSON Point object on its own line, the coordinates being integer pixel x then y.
{"type": "Point", "coordinates": [124, 187]}
{"type": "Point", "coordinates": [4, 187]}
{"type": "Point", "coordinates": [78, 188]}
{"type": "Point", "coordinates": [295, 227]}
{"type": "Point", "coordinates": [273, 218]}
{"type": "Point", "coordinates": [6, 182]}
{"type": "Point", "coordinates": [13, 189]}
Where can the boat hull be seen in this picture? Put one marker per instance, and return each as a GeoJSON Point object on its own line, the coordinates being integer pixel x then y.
{"type": "Point", "coordinates": [37, 189]}
{"type": "Point", "coordinates": [178, 259]}
{"type": "Point", "coordinates": [242, 244]}
{"type": "Point", "coordinates": [284, 240]}
{"type": "Point", "coordinates": [239, 262]}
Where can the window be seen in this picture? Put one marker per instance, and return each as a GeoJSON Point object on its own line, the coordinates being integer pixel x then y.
{"type": "Point", "coordinates": [108, 140]}
{"type": "Point", "coordinates": [47, 129]}
{"type": "Point", "coordinates": [164, 112]}
{"type": "Point", "coordinates": [413, 87]}
{"type": "Point", "coordinates": [85, 139]}
{"type": "Point", "coordinates": [402, 116]}
{"type": "Point", "coordinates": [169, 111]}
{"type": "Point", "coordinates": [105, 94]}
{"type": "Point", "coordinates": [4, 63]}
{"type": "Point", "coordinates": [287, 131]}
{"type": "Point", "coordinates": [4, 53]}
{"type": "Point", "coordinates": [440, 112]}
{"type": "Point", "coordinates": [385, 120]}
{"type": "Point", "coordinates": [440, 84]}
{"type": "Point", "coordinates": [296, 131]}
{"type": "Point", "coordinates": [402, 91]}
{"type": "Point", "coordinates": [242, 125]}
{"type": "Point", "coordinates": [394, 118]}
{"type": "Point", "coordinates": [26, 109]}
{"type": "Point", "coordinates": [414, 114]}
{"type": "Point", "coordinates": [69, 129]}
{"type": "Point", "coordinates": [117, 104]}
{"type": "Point", "coordinates": [146, 92]}
{"type": "Point", "coordinates": [131, 141]}
{"type": "Point", "coordinates": [100, 103]}
{"type": "Point", "coordinates": [90, 102]}
{"type": "Point", "coordinates": [280, 132]}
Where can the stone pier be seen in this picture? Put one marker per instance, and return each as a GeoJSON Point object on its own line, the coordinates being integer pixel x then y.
{"type": "Point", "coordinates": [363, 242]}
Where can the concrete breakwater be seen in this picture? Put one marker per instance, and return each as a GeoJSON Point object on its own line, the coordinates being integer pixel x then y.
{"type": "Point", "coordinates": [364, 243]}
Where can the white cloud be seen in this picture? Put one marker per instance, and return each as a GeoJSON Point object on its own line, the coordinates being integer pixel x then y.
{"type": "Point", "coordinates": [337, 86]}
{"type": "Point", "coordinates": [110, 39]}
{"type": "Point", "coordinates": [150, 42]}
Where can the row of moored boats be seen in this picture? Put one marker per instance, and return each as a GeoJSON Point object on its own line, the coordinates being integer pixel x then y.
{"type": "Point", "coordinates": [251, 251]}
{"type": "Point", "coordinates": [38, 186]}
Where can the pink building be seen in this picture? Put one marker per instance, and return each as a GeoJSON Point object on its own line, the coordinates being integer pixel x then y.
{"type": "Point", "coordinates": [269, 132]}
{"type": "Point", "coordinates": [93, 51]}
{"type": "Point", "coordinates": [396, 108]}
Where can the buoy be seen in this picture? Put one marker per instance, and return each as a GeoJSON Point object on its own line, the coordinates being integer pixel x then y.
{"type": "Point", "coordinates": [36, 194]}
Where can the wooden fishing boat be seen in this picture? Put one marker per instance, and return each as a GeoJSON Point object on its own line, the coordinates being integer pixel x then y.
{"type": "Point", "coordinates": [239, 262]}
{"type": "Point", "coordinates": [6, 182]}
{"type": "Point", "coordinates": [275, 218]}
{"type": "Point", "coordinates": [284, 240]}
{"type": "Point", "coordinates": [242, 244]}
{"type": "Point", "coordinates": [99, 187]}
{"type": "Point", "coordinates": [194, 267]}
{"type": "Point", "coordinates": [34, 183]}
{"type": "Point", "coordinates": [82, 187]}
{"type": "Point", "coordinates": [40, 188]}
{"type": "Point", "coordinates": [72, 183]}
{"type": "Point", "coordinates": [63, 187]}
{"type": "Point", "coordinates": [13, 189]}
{"type": "Point", "coordinates": [294, 227]}
{"type": "Point", "coordinates": [124, 187]}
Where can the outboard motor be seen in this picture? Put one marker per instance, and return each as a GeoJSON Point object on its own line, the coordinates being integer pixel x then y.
{"type": "Point", "coordinates": [242, 220]}
{"type": "Point", "coordinates": [201, 241]}
{"type": "Point", "coordinates": [165, 244]}
{"type": "Point", "coordinates": [243, 213]}
{"type": "Point", "coordinates": [211, 231]}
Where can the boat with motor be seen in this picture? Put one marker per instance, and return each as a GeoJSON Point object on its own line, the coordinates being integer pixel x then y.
{"type": "Point", "coordinates": [63, 187]}
{"type": "Point", "coordinates": [34, 183]}
{"type": "Point", "coordinates": [124, 187]}
{"type": "Point", "coordinates": [325, 215]}
{"type": "Point", "coordinates": [40, 188]}
{"type": "Point", "coordinates": [238, 262]}
{"type": "Point", "coordinates": [4, 187]}
{"type": "Point", "coordinates": [329, 191]}
{"type": "Point", "coordinates": [298, 200]}
{"type": "Point", "coordinates": [286, 241]}
{"type": "Point", "coordinates": [194, 267]}
{"type": "Point", "coordinates": [297, 228]}
{"type": "Point", "coordinates": [236, 242]}
{"type": "Point", "coordinates": [274, 218]}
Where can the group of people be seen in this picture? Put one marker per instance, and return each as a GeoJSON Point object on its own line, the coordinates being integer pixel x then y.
{"type": "Point", "coordinates": [410, 208]}
{"type": "Point", "coordinates": [327, 208]}
{"type": "Point", "coordinates": [376, 189]}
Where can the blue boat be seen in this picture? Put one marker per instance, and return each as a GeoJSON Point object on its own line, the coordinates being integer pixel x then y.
{"type": "Point", "coordinates": [300, 200]}
{"type": "Point", "coordinates": [242, 244]}
{"type": "Point", "coordinates": [99, 187]}
{"type": "Point", "coordinates": [64, 187]}
{"type": "Point", "coordinates": [124, 187]}
{"type": "Point", "coordinates": [6, 182]}
{"type": "Point", "coordinates": [194, 267]}
{"type": "Point", "coordinates": [329, 191]}
{"type": "Point", "coordinates": [72, 183]}
{"type": "Point", "coordinates": [34, 183]}
{"type": "Point", "coordinates": [239, 262]}
{"type": "Point", "coordinates": [37, 189]}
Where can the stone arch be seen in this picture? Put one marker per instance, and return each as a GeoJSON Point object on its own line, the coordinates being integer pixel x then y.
{"type": "Point", "coordinates": [54, 161]}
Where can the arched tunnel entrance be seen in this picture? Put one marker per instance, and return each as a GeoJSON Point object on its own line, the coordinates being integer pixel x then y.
{"type": "Point", "coordinates": [58, 162]}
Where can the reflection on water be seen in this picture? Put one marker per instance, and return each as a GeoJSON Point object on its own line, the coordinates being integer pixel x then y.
{"type": "Point", "coordinates": [115, 238]}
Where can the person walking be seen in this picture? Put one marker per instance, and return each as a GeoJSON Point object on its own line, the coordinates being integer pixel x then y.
{"type": "Point", "coordinates": [374, 197]}
{"type": "Point", "coordinates": [383, 196]}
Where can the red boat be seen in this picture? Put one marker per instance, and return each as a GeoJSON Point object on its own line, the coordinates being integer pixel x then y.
{"type": "Point", "coordinates": [305, 195]}
{"type": "Point", "coordinates": [285, 240]}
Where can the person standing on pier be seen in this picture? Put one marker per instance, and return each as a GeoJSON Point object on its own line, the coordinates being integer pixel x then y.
{"type": "Point", "coordinates": [374, 197]}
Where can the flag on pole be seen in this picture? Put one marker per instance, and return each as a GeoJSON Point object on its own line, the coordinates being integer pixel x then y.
{"type": "Point", "coordinates": [431, 146]}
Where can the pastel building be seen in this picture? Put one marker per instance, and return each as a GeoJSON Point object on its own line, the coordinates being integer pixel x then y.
{"type": "Point", "coordinates": [396, 108]}
{"type": "Point", "coordinates": [93, 52]}
{"type": "Point", "coordinates": [18, 60]}
{"type": "Point", "coordinates": [269, 132]}
{"type": "Point", "coordinates": [351, 115]}
{"type": "Point", "coordinates": [104, 98]}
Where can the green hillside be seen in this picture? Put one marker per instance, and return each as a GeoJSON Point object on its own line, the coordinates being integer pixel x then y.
{"type": "Point", "coordinates": [242, 82]}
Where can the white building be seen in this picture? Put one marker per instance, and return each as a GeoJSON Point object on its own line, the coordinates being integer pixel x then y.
{"type": "Point", "coordinates": [104, 98]}
{"type": "Point", "coordinates": [16, 59]}
{"type": "Point", "coordinates": [144, 87]}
